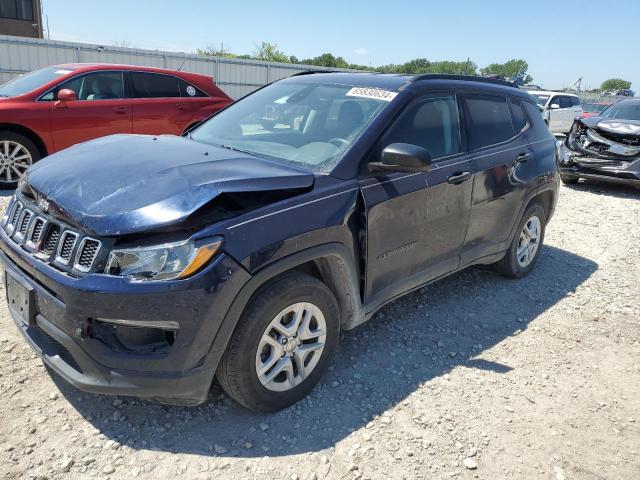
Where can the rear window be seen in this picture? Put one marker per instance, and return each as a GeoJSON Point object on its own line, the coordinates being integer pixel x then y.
{"type": "Point", "coordinates": [488, 120]}
{"type": "Point", "coordinates": [535, 115]}
{"type": "Point", "coordinates": [153, 85]}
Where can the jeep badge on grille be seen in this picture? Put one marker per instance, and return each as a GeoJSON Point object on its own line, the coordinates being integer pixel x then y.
{"type": "Point", "coordinates": [43, 203]}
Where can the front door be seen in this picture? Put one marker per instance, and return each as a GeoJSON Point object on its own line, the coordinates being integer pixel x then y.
{"type": "Point", "coordinates": [416, 222]}
{"type": "Point", "coordinates": [101, 109]}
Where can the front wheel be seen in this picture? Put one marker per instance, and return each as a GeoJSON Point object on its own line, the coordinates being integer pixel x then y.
{"type": "Point", "coordinates": [525, 248]}
{"type": "Point", "coordinates": [282, 344]}
{"type": "Point", "coordinates": [17, 153]}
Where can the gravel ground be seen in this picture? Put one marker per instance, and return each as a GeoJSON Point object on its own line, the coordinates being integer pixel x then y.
{"type": "Point", "coordinates": [474, 377]}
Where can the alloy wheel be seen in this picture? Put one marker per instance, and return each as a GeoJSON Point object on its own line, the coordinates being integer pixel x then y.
{"type": "Point", "coordinates": [14, 160]}
{"type": "Point", "coordinates": [291, 347]}
{"type": "Point", "coordinates": [529, 241]}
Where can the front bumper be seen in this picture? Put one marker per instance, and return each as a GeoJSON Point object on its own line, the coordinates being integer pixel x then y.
{"type": "Point", "coordinates": [575, 165]}
{"type": "Point", "coordinates": [65, 307]}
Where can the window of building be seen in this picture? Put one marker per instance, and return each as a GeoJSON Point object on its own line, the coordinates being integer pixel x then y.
{"type": "Point", "coordinates": [17, 9]}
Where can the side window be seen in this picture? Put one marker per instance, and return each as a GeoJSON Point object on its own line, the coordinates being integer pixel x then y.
{"type": "Point", "coordinates": [488, 120]}
{"type": "Point", "coordinates": [519, 119]}
{"type": "Point", "coordinates": [430, 122]}
{"type": "Point", "coordinates": [189, 91]}
{"type": "Point", "coordinates": [575, 101]}
{"type": "Point", "coordinates": [93, 86]}
{"type": "Point", "coordinates": [565, 102]}
{"type": "Point", "coordinates": [154, 85]}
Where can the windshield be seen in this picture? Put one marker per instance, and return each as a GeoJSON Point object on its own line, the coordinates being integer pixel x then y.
{"type": "Point", "coordinates": [30, 81]}
{"type": "Point", "coordinates": [540, 99]}
{"type": "Point", "coordinates": [624, 110]}
{"type": "Point", "coordinates": [309, 125]}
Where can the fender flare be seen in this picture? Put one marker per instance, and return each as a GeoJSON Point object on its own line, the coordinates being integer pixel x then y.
{"type": "Point", "coordinates": [339, 267]}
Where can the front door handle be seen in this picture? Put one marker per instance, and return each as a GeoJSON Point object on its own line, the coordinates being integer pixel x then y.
{"type": "Point", "coordinates": [181, 106]}
{"type": "Point", "coordinates": [458, 178]}
{"type": "Point", "coordinates": [523, 157]}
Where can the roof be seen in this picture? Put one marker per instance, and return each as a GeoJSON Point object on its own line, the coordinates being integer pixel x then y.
{"type": "Point", "coordinates": [390, 81]}
{"type": "Point", "coordinates": [108, 66]}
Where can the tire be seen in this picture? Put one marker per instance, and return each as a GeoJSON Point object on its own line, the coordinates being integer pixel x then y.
{"type": "Point", "coordinates": [568, 180]}
{"type": "Point", "coordinates": [238, 369]}
{"type": "Point", "coordinates": [26, 154]}
{"type": "Point", "coordinates": [513, 267]}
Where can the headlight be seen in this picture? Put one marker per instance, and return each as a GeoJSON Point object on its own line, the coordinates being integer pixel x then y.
{"type": "Point", "coordinates": [161, 262]}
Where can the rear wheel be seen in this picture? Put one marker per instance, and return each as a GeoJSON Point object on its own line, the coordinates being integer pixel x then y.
{"type": "Point", "coordinates": [17, 153]}
{"type": "Point", "coordinates": [282, 344]}
{"type": "Point", "coordinates": [569, 180]}
{"type": "Point", "coordinates": [525, 248]}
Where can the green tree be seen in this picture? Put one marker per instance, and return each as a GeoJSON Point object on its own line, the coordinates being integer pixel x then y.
{"type": "Point", "coordinates": [269, 52]}
{"type": "Point", "coordinates": [514, 70]}
{"type": "Point", "coordinates": [327, 60]}
{"type": "Point", "coordinates": [615, 84]}
{"type": "Point", "coordinates": [215, 51]}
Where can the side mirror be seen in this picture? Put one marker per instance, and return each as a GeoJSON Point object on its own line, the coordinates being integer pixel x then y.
{"type": "Point", "coordinates": [554, 106]}
{"type": "Point", "coordinates": [402, 157]}
{"type": "Point", "coordinates": [67, 95]}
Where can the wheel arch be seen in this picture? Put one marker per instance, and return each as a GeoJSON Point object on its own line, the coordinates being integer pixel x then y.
{"type": "Point", "coordinates": [27, 132]}
{"type": "Point", "coordinates": [331, 263]}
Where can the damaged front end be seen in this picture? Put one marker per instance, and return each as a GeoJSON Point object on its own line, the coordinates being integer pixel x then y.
{"type": "Point", "coordinates": [607, 148]}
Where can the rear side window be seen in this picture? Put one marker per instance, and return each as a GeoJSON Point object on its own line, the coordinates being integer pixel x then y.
{"type": "Point", "coordinates": [519, 119]}
{"type": "Point", "coordinates": [153, 85]}
{"type": "Point", "coordinates": [488, 120]}
{"type": "Point", "coordinates": [430, 122]}
{"type": "Point", "coordinates": [535, 115]}
{"type": "Point", "coordinates": [575, 101]}
{"type": "Point", "coordinates": [189, 91]}
{"type": "Point", "coordinates": [565, 102]}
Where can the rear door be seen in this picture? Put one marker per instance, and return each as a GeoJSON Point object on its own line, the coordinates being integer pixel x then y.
{"type": "Point", "coordinates": [416, 222]}
{"type": "Point", "coordinates": [102, 108]}
{"type": "Point", "coordinates": [158, 106]}
{"type": "Point", "coordinates": [497, 132]}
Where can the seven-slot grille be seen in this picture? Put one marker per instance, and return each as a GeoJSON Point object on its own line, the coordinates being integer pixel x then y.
{"type": "Point", "coordinates": [49, 239]}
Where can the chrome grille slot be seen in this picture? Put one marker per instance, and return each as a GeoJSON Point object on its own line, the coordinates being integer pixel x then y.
{"type": "Point", "coordinates": [51, 240]}
{"type": "Point", "coordinates": [65, 247]}
{"type": "Point", "coordinates": [87, 253]}
{"type": "Point", "coordinates": [35, 232]}
{"type": "Point", "coordinates": [23, 225]}
{"type": "Point", "coordinates": [13, 218]}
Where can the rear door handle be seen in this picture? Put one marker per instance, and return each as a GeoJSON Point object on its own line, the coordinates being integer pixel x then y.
{"type": "Point", "coordinates": [121, 110]}
{"type": "Point", "coordinates": [459, 178]}
{"type": "Point", "coordinates": [181, 106]}
{"type": "Point", "coordinates": [523, 157]}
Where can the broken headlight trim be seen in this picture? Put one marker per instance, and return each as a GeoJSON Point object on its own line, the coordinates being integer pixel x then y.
{"type": "Point", "coordinates": [169, 261]}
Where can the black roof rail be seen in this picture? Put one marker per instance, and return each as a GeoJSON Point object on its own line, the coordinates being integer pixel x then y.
{"type": "Point", "coordinates": [311, 72]}
{"type": "Point", "coordinates": [466, 78]}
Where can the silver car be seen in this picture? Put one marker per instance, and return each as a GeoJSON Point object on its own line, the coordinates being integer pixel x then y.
{"type": "Point", "coordinates": [558, 109]}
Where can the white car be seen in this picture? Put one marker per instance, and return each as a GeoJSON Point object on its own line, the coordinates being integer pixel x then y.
{"type": "Point", "coordinates": [559, 109]}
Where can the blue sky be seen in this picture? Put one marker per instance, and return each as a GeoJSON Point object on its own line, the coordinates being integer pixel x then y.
{"type": "Point", "coordinates": [558, 39]}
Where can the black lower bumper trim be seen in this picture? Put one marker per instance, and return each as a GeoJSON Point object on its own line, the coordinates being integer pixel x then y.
{"type": "Point", "coordinates": [601, 178]}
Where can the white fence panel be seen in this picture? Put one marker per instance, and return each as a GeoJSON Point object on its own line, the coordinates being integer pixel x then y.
{"type": "Point", "coordinates": [237, 77]}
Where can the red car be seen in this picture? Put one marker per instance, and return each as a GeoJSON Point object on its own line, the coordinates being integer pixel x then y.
{"type": "Point", "coordinates": [593, 109]}
{"type": "Point", "coordinates": [47, 110]}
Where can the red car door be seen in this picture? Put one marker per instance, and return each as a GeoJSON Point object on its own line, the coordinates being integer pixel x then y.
{"type": "Point", "coordinates": [101, 109]}
{"type": "Point", "coordinates": [157, 104]}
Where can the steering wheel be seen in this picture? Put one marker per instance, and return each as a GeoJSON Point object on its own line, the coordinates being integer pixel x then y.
{"type": "Point", "coordinates": [338, 142]}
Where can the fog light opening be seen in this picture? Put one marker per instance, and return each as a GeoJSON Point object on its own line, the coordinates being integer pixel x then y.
{"type": "Point", "coordinates": [138, 337]}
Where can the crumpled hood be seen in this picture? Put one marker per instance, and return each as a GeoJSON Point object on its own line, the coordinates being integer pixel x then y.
{"type": "Point", "coordinates": [612, 125]}
{"type": "Point", "coordinates": [125, 184]}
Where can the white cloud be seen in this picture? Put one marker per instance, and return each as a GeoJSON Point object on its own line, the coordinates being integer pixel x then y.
{"type": "Point", "coordinates": [361, 51]}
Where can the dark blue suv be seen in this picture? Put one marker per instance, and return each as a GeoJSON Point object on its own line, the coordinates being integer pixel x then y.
{"type": "Point", "coordinates": [147, 266]}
